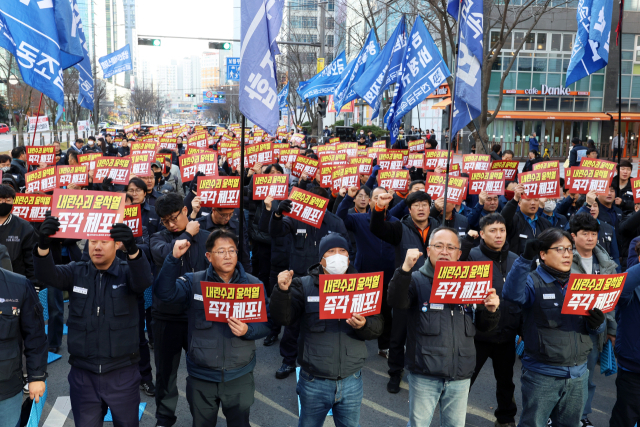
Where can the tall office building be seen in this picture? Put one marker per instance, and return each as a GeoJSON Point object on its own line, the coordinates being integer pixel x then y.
{"type": "Point", "coordinates": [131, 38]}
{"type": "Point", "coordinates": [210, 70]}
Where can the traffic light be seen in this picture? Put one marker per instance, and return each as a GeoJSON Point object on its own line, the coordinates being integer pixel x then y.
{"type": "Point", "coordinates": [149, 42]}
{"type": "Point", "coordinates": [322, 106]}
{"type": "Point", "coordinates": [220, 45]}
{"type": "Point", "coordinates": [190, 95]}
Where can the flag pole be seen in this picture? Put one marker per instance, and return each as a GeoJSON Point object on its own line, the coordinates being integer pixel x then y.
{"type": "Point", "coordinates": [33, 142]}
{"type": "Point", "coordinates": [453, 89]}
{"type": "Point", "coordinates": [241, 216]}
{"type": "Point", "coordinates": [619, 43]}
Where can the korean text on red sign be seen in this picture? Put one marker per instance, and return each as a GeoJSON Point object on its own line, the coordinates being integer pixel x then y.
{"type": "Point", "coordinates": [76, 175]}
{"type": "Point", "coordinates": [219, 192]}
{"type": "Point", "coordinates": [133, 219]}
{"type": "Point", "coordinates": [276, 186]}
{"type": "Point", "coordinates": [435, 158]}
{"type": "Point", "coordinates": [416, 146]}
{"type": "Point", "coordinates": [116, 168]}
{"type": "Point", "coordinates": [206, 163]}
{"type": "Point", "coordinates": [476, 162]}
{"type": "Point", "coordinates": [509, 167]}
{"type": "Point", "coordinates": [587, 162]}
{"type": "Point", "coordinates": [259, 153]}
{"type": "Point", "coordinates": [288, 155]}
{"type": "Point", "coordinates": [342, 295]}
{"type": "Point", "coordinates": [588, 291]}
{"type": "Point", "coordinates": [584, 180]}
{"type": "Point", "coordinates": [41, 180]}
{"type": "Point", "coordinates": [305, 165]}
{"type": "Point", "coordinates": [461, 282]}
{"type": "Point", "coordinates": [364, 164]}
{"type": "Point", "coordinates": [37, 155]}
{"type": "Point", "coordinates": [86, 214]}
{"type": "Point", "coordinates": [245, 302]}
{"type": "Point", "coordinates": [326, 175]}
{"type": "Point", "coordinates": [141, 163]}
{"type": "Point", "coordinates": [345, 177]}
{"type": "Point", "coordinates": [542, 183]}
{"type": "Point", "coordinates": [31, 207]}
{"type": "Point", "coordinates": [492, 182]}
{"type": "Point", "coordinates": [550, 164]}
{"type": "Point", "coordinates": [397, 180]}
{"type": "Point", "coordinates": [89, 159]}
{"type": "Point", "coordinates": [456, 191]}
{"type": "Point", "coordinates": [307, 207]}
{"type": "Point", "coordinates": [635, 187]}
{"type": "Point", "coordinates": [391, 160]}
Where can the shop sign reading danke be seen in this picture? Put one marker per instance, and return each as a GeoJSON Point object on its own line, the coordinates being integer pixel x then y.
{"type": "Point", "coordinates": [546, 90]}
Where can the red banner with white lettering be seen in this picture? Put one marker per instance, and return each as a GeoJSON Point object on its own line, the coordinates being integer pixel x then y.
{"type": "Point", "coordinates": [461, 282]}
{"type": "Point", "coordinates": [476, 162]}
{"type": "Point", "coordinates": [326, 175]}
{"type": "Point", "coordinates": [133, 219]}
{"type": "Point", "coordinates": [168, 142]}
{"type": "Point", "coordinates": [333, 159]}
{"type": "Point", "coordinates": [219, 192]}
{"type": "Point", "coordinates": [364, 164]}
{"type": "Point", "coordinates": [207, 163]}
{"type": "Point", "coordinates": [307, 207]}
{"type": "Point", "coordinates": [436, 159]}
{"type": "Point", "coordinates": [416, 160]}
{"type": "Point", "coordinates": [587, 162]}
{"type": "Point", "coordinates": [584, 180]}
{"type": "Point", "coordinates": [271, 185]}
{"type": "Point", "coordinates": [588, 291]}
{"type": "Point", "coordinates": [509, 167]}
{"type": "Point", "coordinates": [31, 207]}
{"type": "Point", "coordinates": [549, 164]}
{"type": "Point", "coordinates": [305, 165]}
{"type": "Point", "coordinates": [37, 155]}
{"type": "Point", "coordinates": [416, 146]}
{"type": "Point", "coordinates": [288, 155]}
{"type": "Point", "coordinates": [397, 180]}
{"type": "Point", "coordinates": [542, 183]}
{"type": "Point", "coordinates": [41, 180]}
{"type": "Point", "coordinates": [391, 160]}
{"type": "Point", "coordinates": [346, 176]}
{"type": "Point", "coordinates": [258, 153]}
{"type": "Point", "coordinates": [243, 301]}
{"type": "Point", "coordinates": [76, 175]}
{"type": "Point", "coordinates": [89, 159]}
{"type": "Point", "coordinates": [343, 295]}
{"type": "Point", "coordinates": [116, 168]}
{"type": "Point", "coordinates": [456, 191]}
{"type": "Point", "coordinates": [87, 214]}
{"type": "Point", "coordinates": [141, 163]}
{"type": "Point", "coordinates": [492, 182]}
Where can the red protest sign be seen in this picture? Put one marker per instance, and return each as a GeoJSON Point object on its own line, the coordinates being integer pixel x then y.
{"type": "Point", "coordinates": [475, 162]}
{"type": "Point", "coordinates": [288, 155]}
{"type": "Point", "coordinates": [333, 159]}
{"type": "Point", "coordinates": [567, 177]}
{"type": "Point", "coordinates": [343, 295]}
{"type": "Point", "coordinates": [584, 180]}
{"type": "Point", "coordinates": [86, 214]}
{"type": "Point", "coordinates": [542, 183]}
{"type": "Point", "coordinates": [348, 148]}
{"type": "Point", "coordinates": [326, 175]}
{"type": "Point", "coordinates": [549, 164]}
{"type": "Point", "coordinates": [168, 142]}
{"type": "Point", "coordinates": [222, 192]}
{"type": "Point", "coordinates": [133, 219]}
{"type": "Point", "coordinates": [346, 176]}
{"type": "Point", "coordinates": [41, 180]}
{"type": "Point", "coordinates": [276, 186]}
{"type": "Point", "coordinates": [243, 301]}
{"type": "Point", "coordinates": [116, 168]}
{"type": "Point", "coordinates": [305, 165]}
{"type": "Point", "coordinates": [461, 282]}
{"type": "Point", "coordinates": [258, 153]}
{"type": "Point", "coordinates": [297, 139]}
{"type": "Point", "coordinates": [233, 159]}
{"type": "Point", "coordinates": [456, 190]}
{"type": "Point", "coordinates": [379, 144]}
{"type": "Point", "coordinates": [307, 207]}
{"type": "Point", "coordinates": [198, 140]}
{"type": "Point", "coordinates": [130, 128]}
{"type": "Point", "coordinates": [416, 160]}
{"type": "Point", "coordinates": [391, 160]}
{"type": "Point", "coordinates": [492, 182]}
{"type": "Point", "coordinates": [364, 164]}
{"type": "Point", "coordinates": [332, 140]}
{"type": "Point", "coordinates": [37, 155]}
{"type": "Point", "coordinates": [509, 167]}
{"type": "Point", "coordinates": [416, 146]}
{"type": "Point", "coordinates": [89, 159]}
{"type": "Point", "coordinates": [144, 145]}
{"type": "Point", "coordinates": [141, 163]}
{"type": "Point", "coordinates": [588, 291]}
{"type": "Point", "coordinates": [277, 147]}
{"type": "Point", "coordinates": [587, 162]}
{"type": "Point", "coordinates": [76, 175]}
{"type": "Point", "coordinates": [31, 207]}
{"type": "Point", "coordinates": [373, 152]}
{"type": "Point", "coordinates": [397, 180]}
{"type": "Point", "coordinates": [435, 159]}
{"type": "Point", "coordinates": [635, 187]}
{"type": "Point", "coordinates": [207, 163]}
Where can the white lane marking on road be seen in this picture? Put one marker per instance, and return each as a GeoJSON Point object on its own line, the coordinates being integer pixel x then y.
{"type": "Point", "coordinates": [403, 384]}
{"type": "Point", "coordinates": [59, 412]}
{"type": "Point", "coordinates": [379, 408]}
{"type": "Point", "coordinates": [261, 397]}
{"type": "Point", "coordinates": [480, 413]}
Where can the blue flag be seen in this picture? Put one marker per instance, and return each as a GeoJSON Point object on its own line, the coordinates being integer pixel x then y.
{"type": "Point", "coordinates": [344, 93]}
{"type": "Point", "coordinates": [85, 76]}
{"type": "Point", "coordinates": [591, 47]}
{"type": "Point", "coordinates": [423, 70]}
{"type": "Point", "coordinates": [383, 70]}
{"type": "Point", "coordinates": [67, 24]}
{"type": "Point", "coordinates": [259, 27]}
{"type": "Point", "coordinates": [116, 62]}
{"type": "Point", "coordinates": [467, 99]}
{"type": "Point", "coordinates": [282, 97]}
{"type": "Point", "coordinates": [325, 82]}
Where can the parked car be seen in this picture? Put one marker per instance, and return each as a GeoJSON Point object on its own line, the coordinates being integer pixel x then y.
{"type": "Point", "coordinates": [4, 128]}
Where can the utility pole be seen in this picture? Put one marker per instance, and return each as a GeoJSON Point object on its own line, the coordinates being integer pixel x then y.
{"type": "Point", "coordinates": [321, 40]}
{"type": "Point", "coordinates": [96, 101]}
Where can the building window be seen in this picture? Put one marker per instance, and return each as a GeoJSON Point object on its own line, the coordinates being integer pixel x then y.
{"type": "Point", "coordinates": [330, 24]}
{"type": "Point", "coordinates": [522, 103]}
{"type": "Point", "coordinates": [304, 22]}
{"type": "Point", "coordinates": [331, 6]}
{"type": "Point", "coordinates": [330, 40]}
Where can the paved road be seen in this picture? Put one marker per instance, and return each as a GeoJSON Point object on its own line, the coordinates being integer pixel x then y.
{"type": "Point", "coordinates": [276, 400]}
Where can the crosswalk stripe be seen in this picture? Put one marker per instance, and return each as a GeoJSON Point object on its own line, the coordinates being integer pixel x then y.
{"type": "Point", "coordinates": [59, 412]}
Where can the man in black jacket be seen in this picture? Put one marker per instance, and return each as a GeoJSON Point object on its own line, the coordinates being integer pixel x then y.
{"type": "Point", "coordinates": [498, 344]}
{"type": "Point", "coordinates": [103, 323]}
{"type": "Point", "coordinates": [18, 167]}
{"type": "Point", "coordinates": [21, 327]}
{"type": "Point", "coordinates": [16, 234]}
{"type": "Point", "coordinates": [170, 329]}
{"type": "Point", "coordinates": [523, 223]}
{"type": "Point", "coordinates": [331, 353]}
{"type": "Point", "coordinates": [440, 347]}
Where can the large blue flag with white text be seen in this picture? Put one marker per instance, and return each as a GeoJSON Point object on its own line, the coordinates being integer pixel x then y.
{"type": "Point", "coordinates": [85, 76]}
{"type": "Point", "coordinates": [423, 71]}
{"type": "Point", "coordinates": [344, 93]}
{"type": "Point", "coordinates": [591, 46]}
{"type": "Point", "coordinates": [467, 98]}
{"type": "Point", "coordinates": [383, 70]}
{"type": "Point", "coordinates": [258, 77]}
{"type": "Point", "coordinates": [116, 62]}
{"type": "Point", "coordinates": [282, 97]}
{"type": "Point", "coordinates": [325, 82]}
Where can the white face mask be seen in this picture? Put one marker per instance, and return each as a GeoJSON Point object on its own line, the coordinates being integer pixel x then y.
{"type": "Point", "coordinates": [90, 143]}
{"type": "Point", "coordinates": [337, 264]}
{"type": "Point", "coordinates": [549, 206]}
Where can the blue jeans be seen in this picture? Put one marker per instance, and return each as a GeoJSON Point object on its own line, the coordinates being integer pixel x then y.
{"type": "Point", "coordinates": [424, 394]}
{"type": "Point", "coordinates": [10, 411]}
{"type": "Point", "coordinates": [318, 395]}
{"type": "Point", "coordinates": [544, 397]}
{"type": "Point", "coordinates": [591, 366]}
{"type": "Point", "coordinates": [55, 302]}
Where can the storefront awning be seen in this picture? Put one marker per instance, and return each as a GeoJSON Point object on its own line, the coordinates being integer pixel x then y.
{"type": "Point", "coordinates": [545, 115]}
{"type": "Point", "coordinates": [442, 104]}
{"type": "Point", "coordinates": [625, 117]}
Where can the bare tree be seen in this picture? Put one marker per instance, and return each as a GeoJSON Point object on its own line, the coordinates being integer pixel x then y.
{"type": "Point", "coordinates": [20, 96]}
{"type": "Point", "coordinates": [141, 104]}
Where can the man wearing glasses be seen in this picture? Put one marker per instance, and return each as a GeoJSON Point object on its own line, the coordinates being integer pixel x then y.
{"type": "Point", "coordinates": [441, 354]}
{"type": "Point", "coordinates": [556, 346]}
{"type": "Point", "coordinates": [170, 320]}
{"type": "Point", "coordinates": [220, 356]}
{"type": "Point", "coordinates": [137, 189]}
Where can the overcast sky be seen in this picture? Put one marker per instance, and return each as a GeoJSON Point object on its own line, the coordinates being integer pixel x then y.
{"type": "Point", "coordinates": [183, 18]}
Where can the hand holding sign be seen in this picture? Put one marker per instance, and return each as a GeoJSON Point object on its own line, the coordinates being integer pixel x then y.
{"type": "Point", "coordinates": [356, 321]}
{"type": "Point", "coordinates": [492, 301]}
{"type": "Point", "coordinates": [594, 319]}
{"type": "Point", "coordinates": [237, 327]}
